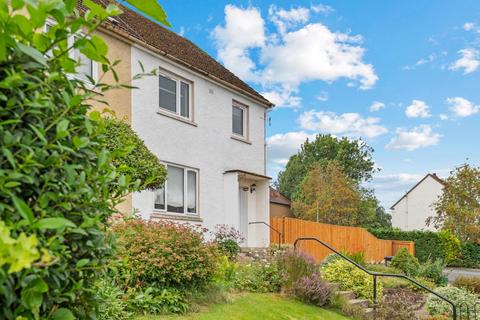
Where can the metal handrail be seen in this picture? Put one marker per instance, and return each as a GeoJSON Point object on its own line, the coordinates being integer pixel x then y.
{"type": "Point", "coordinates": [379, 274]}
{"type": "Point", "coordinates": [280, 235]}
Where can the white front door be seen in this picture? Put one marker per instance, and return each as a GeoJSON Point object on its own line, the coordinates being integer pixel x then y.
{"type": "Point", "coordinates": [243, 213]}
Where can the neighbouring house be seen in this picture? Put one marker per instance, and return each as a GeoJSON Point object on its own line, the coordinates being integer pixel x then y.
{"type": "Point", "coordinates": [205, 124]}
{"type": "Point", "coordinates": [279, 205]}
{"type": "Point", "coordinates": [411, 211]}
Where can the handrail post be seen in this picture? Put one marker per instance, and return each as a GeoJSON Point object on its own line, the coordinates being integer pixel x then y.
{"type": "Point", "coordinates": [374, 291]}
{"type": "Point", "coordinates": [271, 228]}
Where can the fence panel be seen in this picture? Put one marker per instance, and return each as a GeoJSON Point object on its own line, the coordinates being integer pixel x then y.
{"type": "Point", "coordinates": [343, 238]}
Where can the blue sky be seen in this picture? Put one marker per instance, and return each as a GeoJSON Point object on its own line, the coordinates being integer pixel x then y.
{"type": "Point", "coordinates": [402, 75]}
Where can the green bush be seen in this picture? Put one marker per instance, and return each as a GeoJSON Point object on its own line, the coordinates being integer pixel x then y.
{"type": "Point", "coordinates": [258, 276]}
{"type": "Point", "coordinates": [450, 246]}
{"type": "Point", "coordinates": [436, 306]}
{"type": "Point", "coordinates": [228, 240]}
{"type": "Point", "coordinates": [349, 277]}
{"type": "Point", "coordinates": [132, 156]}
{"type": "Point", "coordinates": [469, 256]}
{"type": "Point", "coordinates": [433, 270]}
{"type": "Point", "coordinates": [404, 261]}
{"type": "Point", "coordinates": [56, 179]}
{"type": "Point", "coordinates": [428, 244]}
{"type": "Point", "coordinates": [471, 284]}
{"type": "Point", "coordinates": [153, 300]}
{"type": "Point", "coordinates": [293, 265]}
{"type": "Point", "coordinates": [164, 255]}
{"type": "Point", "coordinates": [112, 305]}
{"type": "Point", "coordinates": [226, 272]}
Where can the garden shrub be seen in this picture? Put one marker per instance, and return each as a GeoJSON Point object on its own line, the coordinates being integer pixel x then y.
{"type": "Point", "coordinates": [258, 276]}
{"type": "Point", "coordinates": [358, 257]}
{"type": "Point", "coordinates": [471, 284]}
{"type": "Point", "coordinates": [469, 256]}
{"type": "Point", "coordinates": [395, 310]}
{"type": "Point", "coordinates": [450, 246]}
{"type": "Point", "coordinates": [313, 289]}
{"type": "Point", "coordinates": [293, 265]}
{"type": "Point", "coordinates": [132, 156]}
{"type": "Point", "coordinates": [152, 300]}
{"type": "Point", "coordinates": [436, 306]}
{"type": "Point", "coordinates": [349, 277]}
{"type": "Point", "coordinates": [112, 305]}
{"type": "Point", "coordinates": [56, 178]}
{"type": "Point", "coordinates": [433, 270]}
{"type": "Point", "coordinates": [330, 258]}
{"type": "Point", "coordinates": [404, 261]}
{"type": "Point", "coordinates": [164, 254]}
{"type": "Point", "coordinates": [428, 244]}
{"type": "Point", "coordinates": [228, 240]}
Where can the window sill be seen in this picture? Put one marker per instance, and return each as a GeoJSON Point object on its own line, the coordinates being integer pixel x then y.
{"type": "Point", "coordinates": [177, 117]}
{"type": "Point", "coordinates": [173, 216]}
{"type": "Point", "coordinates": [241, 139]}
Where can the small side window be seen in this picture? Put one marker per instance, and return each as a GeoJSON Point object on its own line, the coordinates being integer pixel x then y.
{"type": "Point", "coordinates": [239, 120]}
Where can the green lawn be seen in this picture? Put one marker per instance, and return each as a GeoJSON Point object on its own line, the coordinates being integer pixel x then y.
{"type": "Point", "coordinates": [258, 306]}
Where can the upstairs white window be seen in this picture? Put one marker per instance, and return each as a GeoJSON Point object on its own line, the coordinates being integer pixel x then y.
{"type": "Point", "coordinates": [175, 95]}
{"type": "Point", "coordinates": [180, 192]}
{"type": "Point", "coordinates": [239, 119]}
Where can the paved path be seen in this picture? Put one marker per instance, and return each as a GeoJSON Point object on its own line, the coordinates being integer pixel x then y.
{"type": "Point", "coordinates": [453, 273]}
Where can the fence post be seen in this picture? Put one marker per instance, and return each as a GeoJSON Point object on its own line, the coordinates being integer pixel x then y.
{"type": "Point", "coordinates": [374, 291]}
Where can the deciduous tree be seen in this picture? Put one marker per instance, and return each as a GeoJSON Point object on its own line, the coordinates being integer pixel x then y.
{"type": "Point", "coordinates": [327, 193]}
{"type": "Point", "coordinates": [458, 209]}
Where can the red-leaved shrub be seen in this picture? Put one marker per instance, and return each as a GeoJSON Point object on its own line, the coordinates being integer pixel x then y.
{"type": "Point", "coordinates": [164, 254]}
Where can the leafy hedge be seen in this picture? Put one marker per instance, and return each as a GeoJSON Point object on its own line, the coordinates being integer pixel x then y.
{"type": "Point", "coordinates": [428, 244]}
{"type": "Point", "coordinates": [432, 246]}
{"type": "Point", "coordinates": [132, 156]}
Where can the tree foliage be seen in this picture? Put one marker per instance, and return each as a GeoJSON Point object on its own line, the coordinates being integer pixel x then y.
{"type": "Point", "coordinates": [132, 157]}
{"type": "Point", "coordinates": [326, 191]}
{"type": "Point", "coordinates": [353, 156]}
{"type": "Point", "coordinates": [458, 208]}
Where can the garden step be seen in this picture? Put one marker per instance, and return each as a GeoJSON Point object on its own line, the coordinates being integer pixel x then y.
{"type": "Point", "coordinates": [362, 303]}
{"type": "Point", "coordinates": [347, 295]}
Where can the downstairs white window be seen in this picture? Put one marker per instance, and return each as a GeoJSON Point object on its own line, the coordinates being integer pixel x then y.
{"type": "Point", "coordinates": [180, 192]}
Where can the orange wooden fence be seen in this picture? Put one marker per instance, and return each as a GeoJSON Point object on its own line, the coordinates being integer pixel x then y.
{"type": "Point", "coordinates": [342, 238]}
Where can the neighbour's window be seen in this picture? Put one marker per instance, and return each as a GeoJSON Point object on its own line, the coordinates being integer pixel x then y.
{"type": "Point", "coordinates": [239, 119]}
{"type": "Point", "coordinates": [86, 65]}
{"type": "Point", "coordinates": [174, 95]}
{"type": "Point", "coordinates": [180, 192]}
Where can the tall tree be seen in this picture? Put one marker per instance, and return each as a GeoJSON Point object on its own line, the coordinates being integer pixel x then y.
{"type": "Point", "coordinates": [353, 156]}
{"type": "Point", "coordinates": [326, 194]}
{"type": "Point", "coordinates": [458, 209]}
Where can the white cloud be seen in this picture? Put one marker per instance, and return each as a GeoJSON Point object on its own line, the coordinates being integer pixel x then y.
{"type": "Point", "coordinates": [419, 137]}
{"type": "Point", "coordinates": [298, 51]}
{"type": "Point", "coordinates": [376, 106]}
{"type": "Point", "coordinates": [390, 187]}
{"type": "Point", "coordinates": [280, 147]}
{"type": "Point", "coordinates": [287, 19]}
{"type": "Point", "coordinates": [418, 109]}
{"type": "Point", "coordinates": [468, 26]}
{"type": "Point", "coordinates": [321, 8]}
{"type": "Point", "coordinates": [469, 61]}
{"type": "Point", "coordinates": [323, 96]}
{"type": "Point", "coordinates": [244, 29]}
{"type": "Point", "coordinates": [462, 107]}
{"type": "Point", "coordinates": [346, 124]}
{"type": "Point", "coordinates": [283, 98]}
{"type": "Point", "coordinates": [443, 117]}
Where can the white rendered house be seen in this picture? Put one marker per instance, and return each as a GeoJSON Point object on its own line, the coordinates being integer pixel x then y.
{"type": "Point", "coordinates": [412, 210]}
{"type": "Point", "coordinates": [205, 124]}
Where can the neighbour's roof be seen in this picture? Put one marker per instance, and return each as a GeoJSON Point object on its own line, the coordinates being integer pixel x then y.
{"type": "Point", "coordinates": [432, 175]}
{"type": "Point", "coordinates": [278, 198]}
{"type": "Point", "coordinates": [154, 36]}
